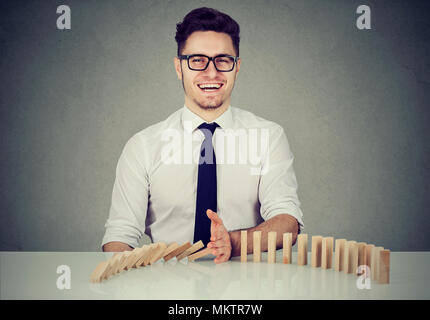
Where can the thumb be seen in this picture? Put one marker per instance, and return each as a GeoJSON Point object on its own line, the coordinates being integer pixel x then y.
{"type": "Point", "coordinates": [213, 216]}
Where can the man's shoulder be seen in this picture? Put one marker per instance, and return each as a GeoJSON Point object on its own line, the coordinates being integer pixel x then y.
{"type": "Point", "coordinates": [248, 119]}
{"type": "Point", "coordinates": [154, 132]}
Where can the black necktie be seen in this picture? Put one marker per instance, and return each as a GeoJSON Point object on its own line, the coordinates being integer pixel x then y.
{"type": "Point", "coordinates": [206, 185]}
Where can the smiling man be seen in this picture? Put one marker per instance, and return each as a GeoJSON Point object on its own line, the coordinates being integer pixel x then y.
{"type": "Point", "coordinates": [209, 199]}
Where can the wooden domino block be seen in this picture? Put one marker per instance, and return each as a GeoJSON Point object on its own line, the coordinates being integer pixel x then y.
{"type": "Point", "coordinates": [353, 257]}
{"type": "Point", "coordinates": [123, 265]}
{"type": "Point", "coordinates": [146, 255]}
{"type": "Point", "coordinates": [271, 247]}
{"type": "Point", "coordinates": [170, 248]}
{"type": "Point", "coordinates": [374, 263]}
{"type": "Point", "coordinates": [287, 245]}
{"type": "Point", "coordinates": [243, 246]}
{"type": "Point", "coordinates": [199, 254]}
{"type": "Point", "coordinates": [384, 266]}
{"type": "Point", "coordinates": [96, 275]}
{"type": "Point", "coordinates": [256, 245]}
{"type": "Point", "coordinates": [178, 251]}
{"type": "Point", "coordinates": [116, 263]}
{"type": "Point", "coordinates": [196, 246]}
{"type": "Point", "coordinates": [361, 253]}
{"type": "Point", "coordinates": [350, 261]}
{"type": "Point", "coordinates": [316, 251]}
{"type": "Point", "coordinates": [302, 249]}
{"type": "Point", "coordinates": [339, 254]}
{"type": "Point", "coordinates": [132, 258]}
{"type": "Point", "coordinates": [158, 253]}
{"type": "Point", "coordinates": [327, 253]}
{"type": "Point", "coordinates": [368, 254]}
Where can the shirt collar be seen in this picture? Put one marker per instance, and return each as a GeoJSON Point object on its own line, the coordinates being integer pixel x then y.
{"type": "Point", "coordinates": [190, 120]}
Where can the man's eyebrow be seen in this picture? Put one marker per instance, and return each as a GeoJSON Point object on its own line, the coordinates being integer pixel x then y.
{"type": "Point", "coordinates": [218, 54]}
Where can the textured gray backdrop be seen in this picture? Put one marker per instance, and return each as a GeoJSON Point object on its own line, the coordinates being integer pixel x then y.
{"type": "Point", "coordinates": [354, 105]}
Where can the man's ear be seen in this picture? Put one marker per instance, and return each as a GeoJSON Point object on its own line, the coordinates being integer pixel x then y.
{"type": "Point", "coordinates": [239, 60]}
{"type": "Point", "coordinates": [178, 68]}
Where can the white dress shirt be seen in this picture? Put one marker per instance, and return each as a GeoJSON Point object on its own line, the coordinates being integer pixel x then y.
{"type": "Point", "coordinates": [156, 177]}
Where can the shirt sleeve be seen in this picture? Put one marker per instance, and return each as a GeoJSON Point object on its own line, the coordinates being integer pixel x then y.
{"type": "Point", "coordinates": [278, 184]}
{"type": "Point", "coordinates": [127, 215]}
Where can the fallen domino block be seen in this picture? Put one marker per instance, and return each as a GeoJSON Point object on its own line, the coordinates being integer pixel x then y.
{"type": "Point", "coordinates": [158, 253]}
{"type": "Point", "coordinates": [196, 246]}
{"type": "Point", "coordinates": [96, 275]}
{"type": "Point", "coordinates": [178, 251]}
{"type": "Point", "coordinates": [200, 254]}
{"type": "Point", "coordinates": [170, 248]}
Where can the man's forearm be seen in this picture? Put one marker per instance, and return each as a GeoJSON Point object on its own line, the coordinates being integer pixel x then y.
{"type": "Point", "coordinates": [116, 246]}
{"type": "Point", "coordinates": [281, 224]}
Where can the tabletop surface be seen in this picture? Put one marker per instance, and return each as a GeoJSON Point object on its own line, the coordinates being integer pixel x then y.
{"type": "Point", "coordinates": [33, 275]}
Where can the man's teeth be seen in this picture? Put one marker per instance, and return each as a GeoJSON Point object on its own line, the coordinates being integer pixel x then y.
{"type": "Point", "coordinates": [210, 86]}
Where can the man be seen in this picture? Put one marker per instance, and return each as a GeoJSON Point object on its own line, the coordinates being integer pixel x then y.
{"type": "Point", "coordinates": [213, 199]}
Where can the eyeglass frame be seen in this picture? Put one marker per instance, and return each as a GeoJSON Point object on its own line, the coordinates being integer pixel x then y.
{"type": "Point", "coordinates": [188, 56]}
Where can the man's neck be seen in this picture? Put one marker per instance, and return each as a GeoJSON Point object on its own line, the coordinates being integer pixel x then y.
{"type": "Point", "coordinates": [209, 115]}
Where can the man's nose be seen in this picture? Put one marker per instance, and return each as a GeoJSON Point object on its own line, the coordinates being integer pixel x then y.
{"type": "Point", "coordinates": [211, 71]}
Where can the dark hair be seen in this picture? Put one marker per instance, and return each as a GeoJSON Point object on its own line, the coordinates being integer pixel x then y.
{"type": "Point", "coordinates": [207, 19]}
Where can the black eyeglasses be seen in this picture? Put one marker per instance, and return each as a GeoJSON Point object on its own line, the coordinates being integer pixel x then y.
{"type": "Point", "coordinates": [200, 62]}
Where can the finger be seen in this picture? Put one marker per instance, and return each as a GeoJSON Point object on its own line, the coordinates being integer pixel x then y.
{"type": "Point", "coordinates": [221, 259]}
{"type": "Point", "coordinates": [214, 217]}
{"type": "Point", "coordinates": [220, 251]}
{"type": "Point", "coordinates": [218, 244]}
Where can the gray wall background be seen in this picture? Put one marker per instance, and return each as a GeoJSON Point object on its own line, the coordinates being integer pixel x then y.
{"type": "Point", "coordinates": [354, 105]}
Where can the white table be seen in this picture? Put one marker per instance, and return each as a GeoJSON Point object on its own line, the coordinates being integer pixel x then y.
{"type": "Point", "coordinates": [33, 275]}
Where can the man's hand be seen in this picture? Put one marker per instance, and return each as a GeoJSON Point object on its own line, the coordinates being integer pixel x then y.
{"type": "Point", "coordinates": [220, 238]}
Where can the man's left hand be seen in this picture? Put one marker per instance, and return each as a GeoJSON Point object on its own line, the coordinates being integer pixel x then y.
{"type": "Point", "coordinates": [220, 238]}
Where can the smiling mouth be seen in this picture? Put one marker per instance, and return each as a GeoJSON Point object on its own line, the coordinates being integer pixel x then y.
{"type": "Point", "coordinates": [210, 87]}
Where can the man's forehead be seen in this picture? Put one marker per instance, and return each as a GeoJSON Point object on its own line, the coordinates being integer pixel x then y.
{"type": "Point", "coordinates": [209, 42]}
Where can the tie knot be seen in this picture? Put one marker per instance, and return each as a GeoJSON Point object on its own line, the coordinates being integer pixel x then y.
{"type": "Point", "coordinates": [208, 126]}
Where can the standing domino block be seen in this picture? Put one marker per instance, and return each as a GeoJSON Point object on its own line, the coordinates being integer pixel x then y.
{"type": "Point", "coordinates": [243, 246]}
{"type": "Point", "coordinates": [384, 266]}
{"type": "Point", "coordinates": [368, 254]}
{"type": "Point", "coordinates": [271, 247]}
{"type": "Point", "coordinates": [287, 247]}
{"type": "Point", "coordinates": [374, 263]}
{"type": "Point", "coordinates": [327, 252]}
{"type": "Point", "coordinates": [302, 248]}
{"type": "Point", "coordinates": [256, 245]}
{"type": "Point", "coordinates": [361, 246]}
{"type": "Point", "coordinates": [339, 254]}
{"type": "Point", "coordinates": [316, 251]}
{"type": "Point", "coordinates": [350, 257]}
{"type": "Point", "coordinates": [353, 257]}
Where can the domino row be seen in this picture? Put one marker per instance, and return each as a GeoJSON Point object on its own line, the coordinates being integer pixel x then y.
{"type": "Point", "coordinates": [350, 256]}
{"type": "Point", "coordinates": [147, 255]}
